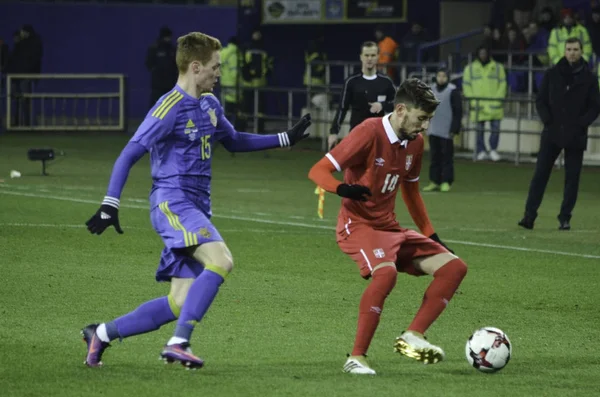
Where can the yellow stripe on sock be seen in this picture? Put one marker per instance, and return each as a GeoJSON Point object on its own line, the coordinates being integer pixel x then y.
{"type": "Point", "coordinates": [173, 306]}
{"type": "Point", "coordinates": [216, 269]}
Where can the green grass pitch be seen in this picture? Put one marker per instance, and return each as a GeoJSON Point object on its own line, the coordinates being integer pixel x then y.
{"type": "Point", "coordinates": [285, 319]}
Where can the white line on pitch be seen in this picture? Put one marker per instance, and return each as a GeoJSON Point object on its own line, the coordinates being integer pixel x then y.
{"type": "Point", "coordinates": [307, 225]}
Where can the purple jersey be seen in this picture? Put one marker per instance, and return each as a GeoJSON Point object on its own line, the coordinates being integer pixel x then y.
{"type": "Point", "coordinates": [178, 132]}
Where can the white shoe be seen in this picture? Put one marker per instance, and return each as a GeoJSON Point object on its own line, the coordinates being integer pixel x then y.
{"type": "Point", "coordinates": [495, 156]}
{"type": "Point", "coordinates": [416, 347]}
{"type": "Point", "coordinates": [482, 156]}
{"type": "Point", "coordinates": [358, 365]}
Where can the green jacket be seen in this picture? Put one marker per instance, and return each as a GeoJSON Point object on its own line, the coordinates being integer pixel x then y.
{"type": "Point", "coordinates": [558, 37]}
{"type": "Point", "coordinates": [229, 71]}
{"type": "Point", "coordinates": [485, 81]}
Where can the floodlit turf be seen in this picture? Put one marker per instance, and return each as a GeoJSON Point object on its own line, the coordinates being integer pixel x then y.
{"type": "Point", "coordinates": [286, 317]}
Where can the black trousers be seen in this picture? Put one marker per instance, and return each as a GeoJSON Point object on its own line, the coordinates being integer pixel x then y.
{"type": "Point", "coordinates": [545, 162]}
{"type": "Point", "coordinates": [442, 160]}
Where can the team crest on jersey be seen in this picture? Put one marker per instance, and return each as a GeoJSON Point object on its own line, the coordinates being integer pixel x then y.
{"type": "Point", "coordinates": [378, 252]}
{"type": "Point", "coordinates": [191, 130]}
{"type": "Point", "coordinates": [213, 117]}
{"type": "Point", "coordinates": [409, 159]}
{"type": "Point", "coordinates": [204, 232]}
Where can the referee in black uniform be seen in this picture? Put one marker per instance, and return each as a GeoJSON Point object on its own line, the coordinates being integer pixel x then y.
{"type": "Point", "coordinates": [568, 102]}
{"type": "Point", "coordinates": [367, 93]}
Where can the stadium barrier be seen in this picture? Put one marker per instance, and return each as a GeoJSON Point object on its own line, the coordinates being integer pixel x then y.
{"type": "Point", "coordinates": [65, 102]}
{"type": "Point", "coordinates": [520, 132]}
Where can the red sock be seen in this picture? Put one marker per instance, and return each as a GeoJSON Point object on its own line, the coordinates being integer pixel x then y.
{"type": "Point", "coordinates": [445, 283]}
{"type": "Point", "coordinates": [371, 306]}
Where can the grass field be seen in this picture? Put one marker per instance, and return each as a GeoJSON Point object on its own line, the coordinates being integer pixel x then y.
{"type": "Point", "coordinates": [285, 319]}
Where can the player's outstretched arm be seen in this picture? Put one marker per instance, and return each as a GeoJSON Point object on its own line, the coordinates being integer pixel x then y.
{"type": "Point", "coordinates": [108, 213]}
{"type": "Point", "coordinates": [235, 141]}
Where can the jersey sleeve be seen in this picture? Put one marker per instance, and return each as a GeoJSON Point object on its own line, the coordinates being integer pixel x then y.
{"type": "Point", "coordinates": [355, 148]}
{"type": "Point", "coordinates": [159, 121]}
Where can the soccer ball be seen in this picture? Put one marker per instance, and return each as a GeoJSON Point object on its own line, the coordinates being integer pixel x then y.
{"type": "Point", "coordinates": [488, 349]}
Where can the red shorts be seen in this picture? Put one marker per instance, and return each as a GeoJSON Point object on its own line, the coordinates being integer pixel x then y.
{"type": "Point", "coordinates": [370, 247]}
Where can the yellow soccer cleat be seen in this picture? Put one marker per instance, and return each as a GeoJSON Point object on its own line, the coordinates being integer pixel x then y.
{"type": "Point", "coordinates": [358, 365]}
{"type": "Point", "coordinates": [415, 346]}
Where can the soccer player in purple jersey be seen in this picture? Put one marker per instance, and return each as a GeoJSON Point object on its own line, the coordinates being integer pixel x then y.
{"type": "Point", "coordinates": [179, 132]}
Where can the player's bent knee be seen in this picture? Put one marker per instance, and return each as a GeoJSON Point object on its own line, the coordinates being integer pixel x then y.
{"type": "Point", "coordinates": [215, 256]}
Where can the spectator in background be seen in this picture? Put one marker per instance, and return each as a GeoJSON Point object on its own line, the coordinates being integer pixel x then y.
{"type": "Point", "coordinates": [257, 68]}
{"type": "Point", "coordinates": [514, 43]}
{"type": "Point", "coordinates": [547, 19]}
{"type": "Point", "coordinates": [488, 38]}
{"type": "Point", "coordinates": [26, 58]}
{"type": "Point", "coordinates": [485, 78]}
{"type": "Point", "coordinates": [388, 52]}
{"type": "Point", "coordinates": [160, 61]}
{"type": "Point", "coordinates": [409, 47]}
{"type": "Point", "coordinates": [442, 128]}
{"type": "Point", "coordinates": [593, 27]}
{"type": "Point", "coordinates": [537, 42]}
{"type": "Point", "coordinates": [521, 11]}
{"type": "Point", "coordinates": [230, 83]}
{"type": "Point", "coordinates": [559, 35]}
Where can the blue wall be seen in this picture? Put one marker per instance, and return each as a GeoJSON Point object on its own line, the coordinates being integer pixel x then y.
{"type": "Point", "coordinates": [88, 38]}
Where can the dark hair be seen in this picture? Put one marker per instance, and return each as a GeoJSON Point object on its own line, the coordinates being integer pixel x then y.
{"type": "Point", "coordinates": [414, 93]}
{"type": "Point", "coordinates": [368, 44]}
{"type": "Point", "coordinates": [574, 40]}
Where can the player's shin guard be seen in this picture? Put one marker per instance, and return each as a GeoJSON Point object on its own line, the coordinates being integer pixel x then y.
{"type": "Point", "coordinates": [149, 316]}
{"type": "Point", "coordinates": [199, 298]}
{"type": "Point", "coordinates": [445, 283]}
{"type": "Point", "coordinates": [371, 306]}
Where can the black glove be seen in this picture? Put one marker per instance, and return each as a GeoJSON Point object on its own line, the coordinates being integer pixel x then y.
{"type": "Point", "coordinates": [106, 216]}
{"type": "Point", "coordinates": [354, 192]}
{"type": "Point", "coordinates": [436, 238]}
{"type": "Point", "coordinates": [298, 131]}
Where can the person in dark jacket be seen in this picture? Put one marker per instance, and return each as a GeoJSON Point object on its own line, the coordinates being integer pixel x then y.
{"type": "Point", "coordinates": [160, 61]}
{"type": "Point", "coordinates": [26, 58]}
{"type": "Point", "coordinates": [568, 103]}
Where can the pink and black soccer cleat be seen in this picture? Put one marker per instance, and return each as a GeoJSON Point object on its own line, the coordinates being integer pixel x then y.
{"type": "Point", "coordinates": [181, 353]}
{"type": "Point", "coordinates": [95, 347]}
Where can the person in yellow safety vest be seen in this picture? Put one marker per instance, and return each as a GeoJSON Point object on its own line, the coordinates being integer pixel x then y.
{"type": "Point", "coordinates": [230, 90]}
{"type": "Point", "coordinates": [485, 78]}
{"type": "Point", "coordinates": [388, 52]}
{"type": "Point", "coordinates": [560, 34]}
{"type": "Point", "coordinates": [316, 83]}
{"type": "Point", "coordinates": [256, 69]}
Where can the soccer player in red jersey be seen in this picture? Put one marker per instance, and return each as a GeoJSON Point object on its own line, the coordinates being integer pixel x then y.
{"type": "Point", "coordinates": [382, 155]}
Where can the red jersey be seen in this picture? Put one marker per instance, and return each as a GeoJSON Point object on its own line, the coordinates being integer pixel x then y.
{"type": "Point", "coordinates": [373, 156]}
